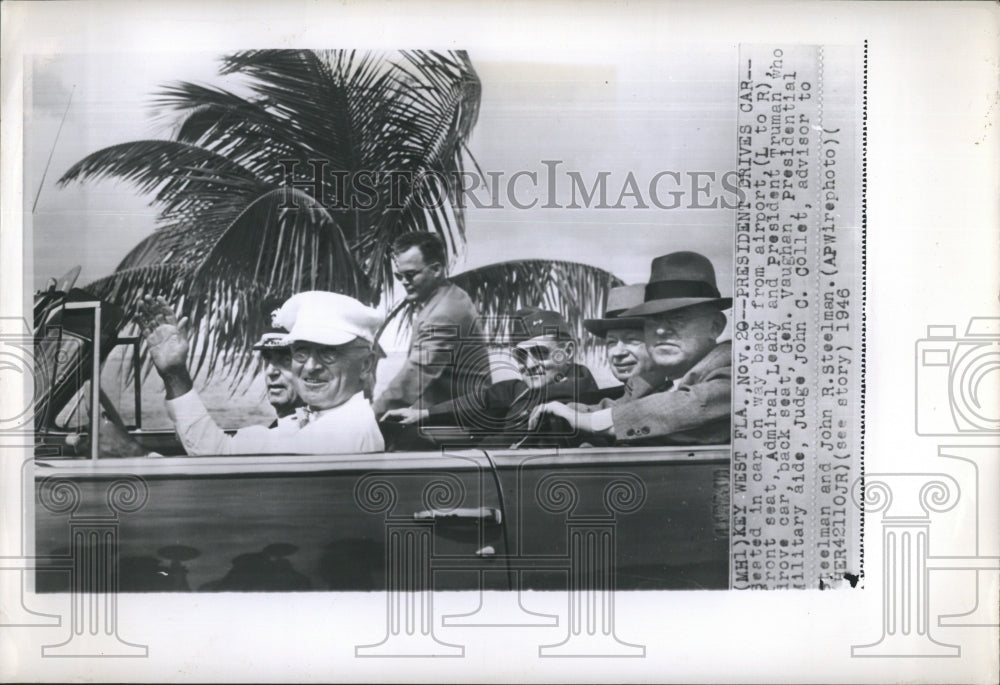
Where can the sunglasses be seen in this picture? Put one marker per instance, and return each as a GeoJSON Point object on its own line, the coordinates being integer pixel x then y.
{"type": "Point", "coordinates": [538, 352]}
{"type": "Point", "coordinates": [407, 276]}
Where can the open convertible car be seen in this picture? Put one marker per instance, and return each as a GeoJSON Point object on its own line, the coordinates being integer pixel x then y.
{"type": "Point", "coordinates": [457, 517]}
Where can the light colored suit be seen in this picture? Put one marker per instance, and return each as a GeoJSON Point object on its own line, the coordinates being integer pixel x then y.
{"type": "Point", "coordinates": [693, 410]}
{"type": "Point", "coordinates": [447, 356]}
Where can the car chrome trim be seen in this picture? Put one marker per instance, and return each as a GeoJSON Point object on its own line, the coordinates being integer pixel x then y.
{"type": "Point", "coordinates": [457, 459]}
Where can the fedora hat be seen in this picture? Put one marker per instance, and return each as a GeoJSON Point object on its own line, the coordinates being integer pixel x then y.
{"type": "Point", "coordinates": [679, 279]}
{"type": "Point", "coordinates": [620, 299]}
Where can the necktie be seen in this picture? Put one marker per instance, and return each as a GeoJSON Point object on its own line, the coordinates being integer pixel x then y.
{"type": "Point", "coordinates": [303, 415]}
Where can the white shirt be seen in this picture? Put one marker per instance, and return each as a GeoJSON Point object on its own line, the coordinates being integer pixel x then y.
{"type": "Point", "coordinates": [348, 428]}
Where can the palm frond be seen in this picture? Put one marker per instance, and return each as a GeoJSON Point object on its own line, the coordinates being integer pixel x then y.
{"type": "Point", "coordinates": [437, 107]}
{"type": "Point", "coordinates": [146, 252]}
{"type": "Point", "coordinates": [172, 169]}
{"type": "Point", "coordinates": [577, 291]}
{"type": "Point", "coordinates": [127, 286]}
{"type": "Point", "coordinates": [243, 130]}
{"type": "Point", "coordinates": [249, 262]}
{"type": "Point", "coordinates": [224, 241]}
{"type": "Point", "coordinates": [323, 97]}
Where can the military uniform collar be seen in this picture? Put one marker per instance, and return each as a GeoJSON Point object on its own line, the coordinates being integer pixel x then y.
{"type": "Point", "coordinates": [435, 296]}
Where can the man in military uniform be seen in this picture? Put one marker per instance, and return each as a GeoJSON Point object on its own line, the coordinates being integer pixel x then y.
{"type": "Point", "coordinates": [447, 352]}
{"type": "Point", "coordinates": [545, 349]}
{"type": "Point", "coordinates": [277, 360]}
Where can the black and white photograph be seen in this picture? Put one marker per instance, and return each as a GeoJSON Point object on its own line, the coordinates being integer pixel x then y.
{"type": "Point", "coordinates": [470, 341]}
{"type": "Point", "coordinates": [361, 275]}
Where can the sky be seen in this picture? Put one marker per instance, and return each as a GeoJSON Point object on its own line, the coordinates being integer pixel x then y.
{"type": "Point", "coordinates": [672, 110]}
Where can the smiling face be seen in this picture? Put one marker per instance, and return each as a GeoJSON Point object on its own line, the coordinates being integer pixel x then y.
{"type": "Point", "coordinates": [419, 278]}
{"type": "Point", "coordinates": [326, 376]}
{"type": "Point", "coordinates": [678, 339]}
{"type": "Point", "coordinates": [626, 350]}
{"type": "Point", "coordinates": [544, 359]}
{"type": "Point", "coordinates": [280, 380]}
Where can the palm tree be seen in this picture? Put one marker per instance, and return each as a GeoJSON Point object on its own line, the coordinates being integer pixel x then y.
{"type": "Point", "coordinates": [239, 221]}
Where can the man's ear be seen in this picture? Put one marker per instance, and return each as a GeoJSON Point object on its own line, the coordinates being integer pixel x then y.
{"type": "Point", "coordinates": [570, 348]}
{"type": "Point", "coordinates": [368, 363]}
{"type": "Point", "coordinates": [719, 324]}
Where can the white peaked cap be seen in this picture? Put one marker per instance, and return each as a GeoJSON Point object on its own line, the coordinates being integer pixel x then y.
{"type": "Point", "coordinates": [326, 318]}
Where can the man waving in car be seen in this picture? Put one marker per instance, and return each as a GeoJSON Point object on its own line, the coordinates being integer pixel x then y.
{"type": "Point", "coordinates": [331, 340]}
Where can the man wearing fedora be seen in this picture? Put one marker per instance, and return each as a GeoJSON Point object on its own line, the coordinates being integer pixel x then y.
{"type": "Point", "coordinates": [684, 396]}
{"type": "Point", "coordinates": [330, 339]}
{"type": "Point", "coordinates": [544, 348]}
{"type": "Point", "coordinates": [624, 340]}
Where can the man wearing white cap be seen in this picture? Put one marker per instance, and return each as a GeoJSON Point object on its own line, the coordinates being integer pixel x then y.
{"type": "Point", "coordinates": [331, 337]}
{"type": "Point", "coordinates": [277, 361]}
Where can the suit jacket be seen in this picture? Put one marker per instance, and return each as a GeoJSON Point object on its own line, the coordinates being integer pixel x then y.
{"type": "Point", "coordinates": [506, 405]}
{"type": "Point", "coordinates": [694, 410]}
{"type": "Point", "coordinates": [447, 354]}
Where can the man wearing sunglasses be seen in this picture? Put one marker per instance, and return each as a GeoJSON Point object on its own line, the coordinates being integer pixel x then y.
{"type": "Point", "coordinates": [330, 341]}
{"type": "Point", "coordinates": [447, 353]}
{"type": "Point", "coordinates": [544, 349]}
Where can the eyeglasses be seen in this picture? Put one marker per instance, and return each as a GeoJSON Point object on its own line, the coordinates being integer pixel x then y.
{"type": "Point", "coordinates": [326, 354]}
{"type": "Point", "coordinates": [538, 352]}
{"type": "Point", "coordinates": [407, 276]}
